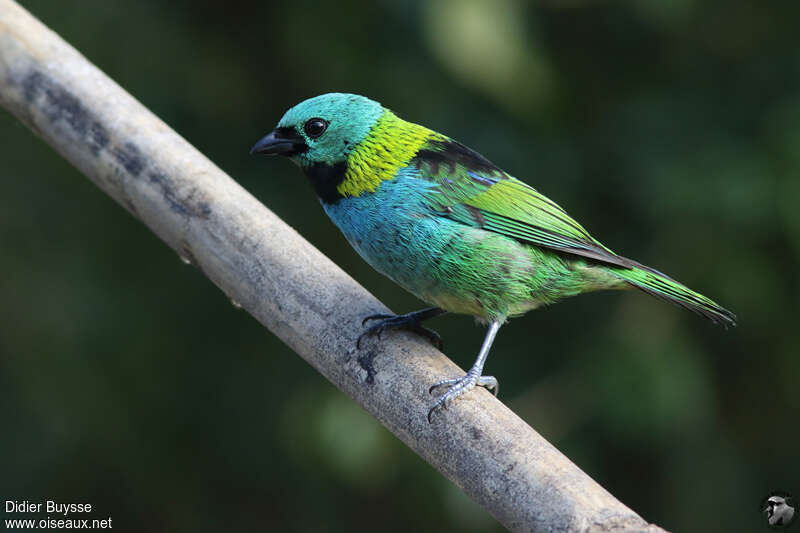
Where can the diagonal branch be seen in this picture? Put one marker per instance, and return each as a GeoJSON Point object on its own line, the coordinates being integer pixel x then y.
{"type": "Point", "coordinates": [289, 286]}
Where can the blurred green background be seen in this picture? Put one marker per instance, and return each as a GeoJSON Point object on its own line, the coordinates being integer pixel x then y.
{"type": "Point", "coordinates": [670, 129]}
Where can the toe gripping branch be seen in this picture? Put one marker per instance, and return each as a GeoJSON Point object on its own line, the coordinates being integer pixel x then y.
{"type": "Point", "coordinates": [409, 321]}
{"type": "Point", "coordinates": [455, 387]}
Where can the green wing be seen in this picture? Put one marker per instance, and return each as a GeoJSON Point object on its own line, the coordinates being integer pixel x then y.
{"type": "Point", "coordinates": [473, 191]}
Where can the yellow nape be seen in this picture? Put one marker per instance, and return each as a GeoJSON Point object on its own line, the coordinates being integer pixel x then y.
{"type": "Point", "coordinates": [388, 147]}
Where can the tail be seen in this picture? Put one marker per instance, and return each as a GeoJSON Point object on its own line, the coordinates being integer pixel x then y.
{"type": "Point", "coordinates": [661, 286]}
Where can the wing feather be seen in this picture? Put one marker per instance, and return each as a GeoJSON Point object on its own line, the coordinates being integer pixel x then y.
{"type": "Point", "coordinates": [473, 191]}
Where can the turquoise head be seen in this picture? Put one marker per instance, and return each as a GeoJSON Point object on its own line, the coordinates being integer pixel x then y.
{"type": "Point", "coordinates": [322, 130]}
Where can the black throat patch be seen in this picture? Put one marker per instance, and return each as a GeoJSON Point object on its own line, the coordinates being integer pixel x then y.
{"type": "Point", "coordinates": [325, 178]}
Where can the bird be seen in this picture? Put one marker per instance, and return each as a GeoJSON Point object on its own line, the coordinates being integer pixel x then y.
{"type": "Point", "coordinates": [450, 226]}
{"type": "Point", "coordinates": [778, 511]}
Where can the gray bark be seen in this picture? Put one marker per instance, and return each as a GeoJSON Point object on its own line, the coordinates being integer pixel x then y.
{"type": "Point", "coordinates": [290, 287]}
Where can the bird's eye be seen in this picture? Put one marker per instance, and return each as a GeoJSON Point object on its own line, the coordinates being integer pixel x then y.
{"type": "Point", "coordinates": [315, 127]}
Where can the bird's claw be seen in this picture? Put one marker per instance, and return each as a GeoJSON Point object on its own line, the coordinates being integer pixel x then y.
{"type": "Point", "coordinates": [378, 316]}
{"type": "Point", "coordinates": [459, 386]}
{"type": "Point", "coordinates": [431, 335]}
{"type": "Point", "coordinates": [408, 322]}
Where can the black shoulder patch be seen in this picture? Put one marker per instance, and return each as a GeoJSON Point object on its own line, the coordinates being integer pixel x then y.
{"type": "Point", "coordinates": [450, 153]}
{"type": "Point", "coordinates": [325, 178]}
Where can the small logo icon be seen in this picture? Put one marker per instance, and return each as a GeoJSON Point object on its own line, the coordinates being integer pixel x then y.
{"type": "Point", "coordinates": [778, 507]}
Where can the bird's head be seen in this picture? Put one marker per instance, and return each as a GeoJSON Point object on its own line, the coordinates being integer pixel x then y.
{"type": "Point", "coordinates": [346, 144]}
{"type": "Point", "coordinates": [322, 130]}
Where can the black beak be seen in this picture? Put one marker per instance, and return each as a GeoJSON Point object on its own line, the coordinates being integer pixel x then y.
{"type": "Point", "coordinates": [283, 141]}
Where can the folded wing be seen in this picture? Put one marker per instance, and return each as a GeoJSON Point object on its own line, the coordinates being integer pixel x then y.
{"type": "Point", "coordinates": [473, 191]}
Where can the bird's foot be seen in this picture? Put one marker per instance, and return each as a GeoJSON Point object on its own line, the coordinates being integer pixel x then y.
{"type": "Point", "coordinates": [459, 386]}
{"type": "Point", "coordinates": [409, 322]}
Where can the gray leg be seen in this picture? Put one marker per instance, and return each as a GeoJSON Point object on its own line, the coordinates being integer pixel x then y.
{"type": "Point", "coordinates": [473, 377]}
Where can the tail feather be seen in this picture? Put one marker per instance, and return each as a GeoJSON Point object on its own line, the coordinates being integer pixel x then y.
{"type": "Point", "coordinates": [662, 286]}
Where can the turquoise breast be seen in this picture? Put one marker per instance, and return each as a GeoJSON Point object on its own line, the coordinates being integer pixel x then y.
{"type": "Point", "coordinates": [389, 228]}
